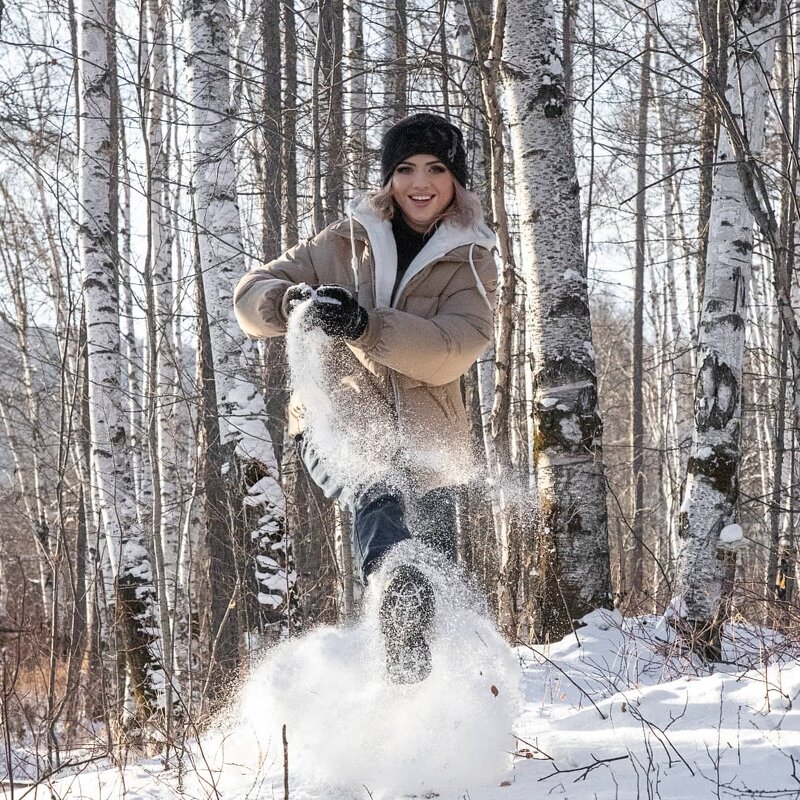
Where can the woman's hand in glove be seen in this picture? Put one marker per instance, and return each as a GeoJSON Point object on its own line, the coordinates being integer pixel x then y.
{"type": "Point", "coordinates": [295, 295]}
{"type": "Point", "coordinates": [337, 313]}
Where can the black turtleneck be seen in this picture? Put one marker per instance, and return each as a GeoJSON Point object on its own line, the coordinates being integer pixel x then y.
{"type": "Point", "coordinates": [408, 241]}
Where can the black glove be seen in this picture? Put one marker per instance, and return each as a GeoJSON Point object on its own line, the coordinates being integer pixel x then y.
{"type": "Point", "coordinates": [295, 295]}
{"type": "Point", "coordinates": [337, 313]}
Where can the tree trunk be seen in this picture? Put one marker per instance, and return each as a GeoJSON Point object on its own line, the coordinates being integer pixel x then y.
{"type": "Point", "coordinates": [573, 543]}
{"type": "Point", "coordinates": [781, 473]}
{"type": "Point", "coordinates": [496, 423]}
{"type": "Point", "coordinates": [221, 574]}
{"type": "Point", "coordinates": [162, 401]}
{"type": "Point", "coordinates": [255, 501]}
{"type": "Point", "coordinates": [637, 371]}
{"type": "Point", "coordinates": [395, 48]}
{"type": "Point", "coordinates": [711, 488]}
{"type": "Point", "coordinates": [135, 595]}
{"type": "Point", "coordinates": [271, 129]}
{"type": "Point", "coordinates": [288, 143]}
{"type": "Point", "coordinates": [713, 19]}
{"type": "Point", "coordinates": [356, 113]}
{"type": "Point", "coordinates": [331, 24]}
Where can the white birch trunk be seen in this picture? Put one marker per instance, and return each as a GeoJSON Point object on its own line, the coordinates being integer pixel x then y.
{"type": "Point", "coordinates": [711, 482]}
{"type": "Point", "coordinates": [394, 56]}
{"type": "Point", "coordinates": [133, 375]}
{"type": "Point", "coordinates": [356, 109]}
{"type": "Point", "coordinates": [111, 467]}
{"type": "Point", "coordinates": [568, 428]}
{"type": "Point", "coordinates": [240, 404]}
{"type": "Point", "coordinates": [162, 395]}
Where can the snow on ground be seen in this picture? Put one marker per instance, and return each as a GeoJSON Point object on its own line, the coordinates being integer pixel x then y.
{"type": "Point", "coordinates": [609, 712]}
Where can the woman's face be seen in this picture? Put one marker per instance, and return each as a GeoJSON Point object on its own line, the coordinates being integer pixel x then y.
{"type": "Point", "coordinates": [423, 187]}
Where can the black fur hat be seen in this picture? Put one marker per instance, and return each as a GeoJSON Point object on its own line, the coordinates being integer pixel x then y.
{"type": "Point", "coordinates": [424, 133]}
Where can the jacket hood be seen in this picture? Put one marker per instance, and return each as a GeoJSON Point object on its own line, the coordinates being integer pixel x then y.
{"type": "Point", "coordinates": [447, 237]}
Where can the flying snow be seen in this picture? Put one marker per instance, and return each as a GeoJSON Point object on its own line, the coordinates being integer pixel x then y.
{"type": "Point", "coordinates": [348, 726]}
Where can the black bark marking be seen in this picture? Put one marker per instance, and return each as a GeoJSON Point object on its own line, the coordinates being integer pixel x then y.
{"type": "Point", "coordinates": [717, 395]}
{"type": "Point", "coordinates": [135, 603]}
{"type": "Point", "coordinates": [742, 247]}
{"type": "Point", "coordinates": [735, 320]}
{"type": "Point", "coordinates": [754, 10]}
{"type": "Point", "coordinates": [719, 468]}
{"type": "Point", "coordinates": [564, 370]}
{"type": "Point", "coordinates": [552, 96]}
{"type": "Point", "coordinates": [571, 306]}
{"type": "Point", "coordinates": [580, 410]}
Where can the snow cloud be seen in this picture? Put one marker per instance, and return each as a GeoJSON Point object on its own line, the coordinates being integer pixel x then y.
{"type": "Point", "coordinates": [347, 726]}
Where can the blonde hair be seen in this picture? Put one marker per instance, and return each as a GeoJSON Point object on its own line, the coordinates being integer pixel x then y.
{"type": "Point", "coordinates": [464, 209]}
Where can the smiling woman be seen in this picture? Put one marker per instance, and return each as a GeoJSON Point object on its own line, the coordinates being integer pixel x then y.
{"type": "Point", "coordinates": [404, 288]}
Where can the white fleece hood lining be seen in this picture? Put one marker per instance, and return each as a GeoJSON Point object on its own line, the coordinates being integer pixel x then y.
{"type": "Point", "coordinates": [445, 239]}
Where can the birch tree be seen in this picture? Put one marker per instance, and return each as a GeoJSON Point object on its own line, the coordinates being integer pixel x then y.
{"type": "Point", "coordinates": [163, 407]}
{"type": "Point", "coordinates": [249, 463]}
{"type": "Point", "coordinates": [395, 44]}
{"type": "Point", "coordinates": [134, 595]}
{"type": "Point", "coordinates": [711, 489]}
{"type": "Point", "coordinates": [357, 105]}
{"type": "Point", "coordinates": [573, 558]}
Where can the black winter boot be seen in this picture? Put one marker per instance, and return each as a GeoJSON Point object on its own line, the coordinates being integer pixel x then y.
{"type": "Point", "coordinates": [406, 617]}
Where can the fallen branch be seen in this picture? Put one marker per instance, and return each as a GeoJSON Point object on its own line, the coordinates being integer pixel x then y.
{"type": "Point", "coordinates": [598, 762]}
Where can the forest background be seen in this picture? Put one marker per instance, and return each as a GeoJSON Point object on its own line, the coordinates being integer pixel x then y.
{"type": "Point", "coordinates": [638, 163]}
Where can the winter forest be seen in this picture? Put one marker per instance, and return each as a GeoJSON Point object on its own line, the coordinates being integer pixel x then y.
{"type": "Point", "coordinates": [636, 421]}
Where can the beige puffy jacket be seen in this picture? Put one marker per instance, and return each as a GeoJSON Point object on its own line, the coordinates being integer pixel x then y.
{"type": "Point", "coordinates": [416, 346]}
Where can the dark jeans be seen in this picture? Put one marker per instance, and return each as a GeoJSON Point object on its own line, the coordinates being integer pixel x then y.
{"type": "Point", "coordinates": [381, 513]}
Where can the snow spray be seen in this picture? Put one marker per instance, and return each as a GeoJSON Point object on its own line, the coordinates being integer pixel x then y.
{"type": "Point", "coordinates": [356, 443]}
{"type": "Point", "coordinates": [349, 420]}
{"type": "Point", "coordinates": [348, 727]}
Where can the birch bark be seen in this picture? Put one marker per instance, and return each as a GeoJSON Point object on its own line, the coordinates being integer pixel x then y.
{"type": "Point", "coordinates": [162, 396]}
{"type": "Point", "coordinates": [356, 111]}
{"type": "Point", "coordinates": [252, 471]}
{"type": "Point", "coordinates": [135, 596]}
{"type": "Point", "coordinates": [711, 487]}
{"type": "Point", "coordinates": [395, 78]}
{"type": "Point", "coordinates": [573, 535]}
{"type": "Point", "coordinates": [712, 16]}
{"type": "Point", "coordinates": [331, 23]}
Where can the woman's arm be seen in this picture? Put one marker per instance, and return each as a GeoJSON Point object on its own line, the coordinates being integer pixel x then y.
{"type": "Point", "coordinates": [258, 295]}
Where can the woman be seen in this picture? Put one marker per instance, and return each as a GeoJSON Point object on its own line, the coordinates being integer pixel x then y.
{"type": "Point", "coordinates": [406, 286]}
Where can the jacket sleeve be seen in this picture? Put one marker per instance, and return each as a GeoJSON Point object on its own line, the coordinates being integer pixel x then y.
{"type": "Point", "coordinates": [258, 295]}
{"type": "Point", "coordinates": [441, 349]}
